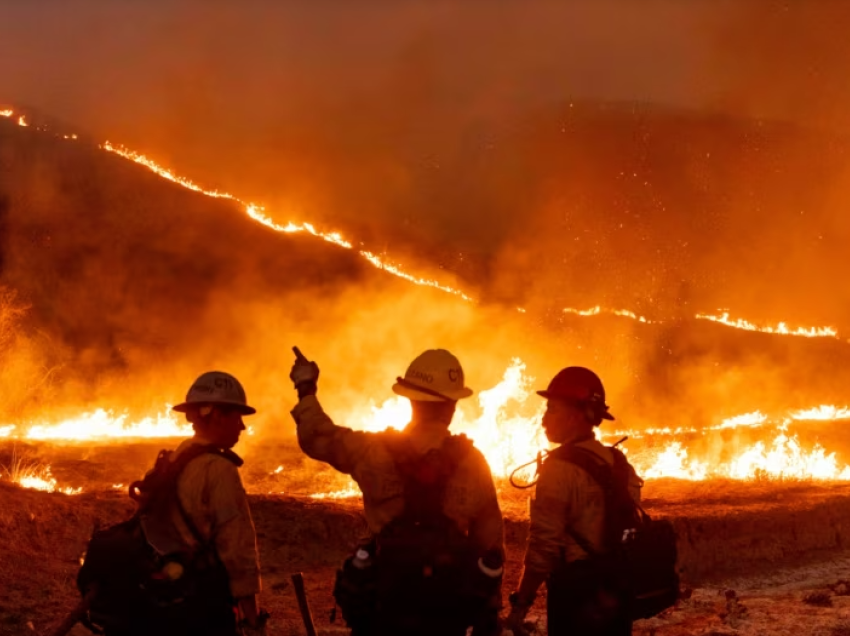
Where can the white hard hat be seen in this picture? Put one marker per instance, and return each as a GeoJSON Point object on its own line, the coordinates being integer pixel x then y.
{"type": "Point", "coordinates": [434, 376]}
{"type": "Point", "coordinates": [216, 387]}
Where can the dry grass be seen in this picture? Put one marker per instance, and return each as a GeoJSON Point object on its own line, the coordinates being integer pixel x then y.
{"type": "Point", "coordinates": [22, 466]}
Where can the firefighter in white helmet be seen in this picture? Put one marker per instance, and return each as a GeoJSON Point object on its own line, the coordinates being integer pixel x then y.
{"type": "Point", "coordinates": [215, 507]}
{"type": "Point", "coordinates": [434, 563]}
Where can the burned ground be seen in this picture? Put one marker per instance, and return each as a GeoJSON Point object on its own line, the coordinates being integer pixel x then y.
{"type": "Point", "coordinates": [729, 534]}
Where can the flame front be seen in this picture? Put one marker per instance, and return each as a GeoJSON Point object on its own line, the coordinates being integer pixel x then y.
{"type": "Point", "coordinates": [39, 478]}
{"type": "Point", "coordinates": [508, 436]}
{"type": "Point", "coordinates": [99, 425]}
{"type": "Point", "coordinates": [781, 328]}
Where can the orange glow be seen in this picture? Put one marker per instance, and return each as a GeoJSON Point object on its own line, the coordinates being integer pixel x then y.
{"type": "Point", "coordinates": [257, 212]}
{"type": "Point", "coordinates": [781, 328]}
{"type": "Point", "coordinates": [501, 426]}
{"type": "Point", "coordinates": [346, 493]}
{"type": "Point", "coordinates": [822, 412]}
{"type": "Point", "coordinates": [723, 319]}
{"type": "Point", "coordinates": [101, 424]}
{"type": "Point", "coordinates": [506, 428]}
{"type": "Point", "coordinates": [784, 458]}
{"type": "Point", "coordinates": [596, 311]}
{"type": "Point", "coordinates": [503, 421]}
{"type": "Point", "coordinates": [40, 478]}
{"type": "Point", "coordinates": [673, 462]}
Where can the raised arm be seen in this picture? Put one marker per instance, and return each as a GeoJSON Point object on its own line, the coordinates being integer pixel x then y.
{"type": "Point", "coordinates": [323, 440]}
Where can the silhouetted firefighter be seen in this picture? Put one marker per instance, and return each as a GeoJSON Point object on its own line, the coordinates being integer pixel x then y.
{"type": "Point", "coordinates": [434, 562]}
{"type": "Point", "coordinates": [186, 563]}
{"type": "Point", "coordinates": [604, 561]}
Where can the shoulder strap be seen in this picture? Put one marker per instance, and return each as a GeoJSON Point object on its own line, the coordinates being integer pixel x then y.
{"type": "Point", "coordinates": [588, 461]}
{"type": "Point", "coordinates": [598, 470]}
{"type": "Point", "coordinates": [177, 467]}
{"type": "Point", "coordinates": [611, 479]}
{"type": "Point", "coordinates": [425, 476]}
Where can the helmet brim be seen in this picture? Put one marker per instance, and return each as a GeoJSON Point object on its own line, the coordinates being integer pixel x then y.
{"type": "Point", "coordinates": [413, 394]}
{"type": "Point", "coordinates": [243, 409]}
{"type": "Point", "coordinates": [605, 415]}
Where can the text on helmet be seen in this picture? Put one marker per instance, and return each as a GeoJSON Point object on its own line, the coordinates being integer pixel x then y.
{"type": "Point", "coordinates": [421, 375]}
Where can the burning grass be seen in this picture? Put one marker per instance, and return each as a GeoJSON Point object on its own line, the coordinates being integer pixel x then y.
{"type": "Point", "coordinates": [26, 471]}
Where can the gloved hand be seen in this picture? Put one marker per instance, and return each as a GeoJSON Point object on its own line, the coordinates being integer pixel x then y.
{"type": "Point", "coordinates": [304, 374]}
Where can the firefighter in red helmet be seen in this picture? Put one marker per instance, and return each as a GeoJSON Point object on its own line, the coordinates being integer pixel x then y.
{"type": "Point", "coordinates": [568, 516]}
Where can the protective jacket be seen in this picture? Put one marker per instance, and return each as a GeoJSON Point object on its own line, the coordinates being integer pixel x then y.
{"type": "Point", "coordinates": [567, 497]}
{"type": "Point", "coordinates": [470, 499]}
{"type": "Point", "coordinates": [211, 492]}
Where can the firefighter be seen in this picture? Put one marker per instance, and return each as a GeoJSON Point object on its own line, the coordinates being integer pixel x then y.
{"type": "Point", "coordinates": [381, 464]}
{"type": "Point", "coordinates": [216, 507]}
{"type": "Point", "coordinates": [568, 510]}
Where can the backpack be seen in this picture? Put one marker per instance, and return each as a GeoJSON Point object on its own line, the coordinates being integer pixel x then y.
{"type": "Point", "coordinates": [135, 587]}
{"type": "Point", "coordinates": [425, 564]}
{"type": "Point", "coordinates": [639, 552]}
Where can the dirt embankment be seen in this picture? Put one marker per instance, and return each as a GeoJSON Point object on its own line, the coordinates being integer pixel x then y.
{"type": "Point", "coordinates": [724, 529]}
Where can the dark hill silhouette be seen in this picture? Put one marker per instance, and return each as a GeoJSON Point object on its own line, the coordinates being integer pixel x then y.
{"type": "Point", "coordinates": [116, 264]}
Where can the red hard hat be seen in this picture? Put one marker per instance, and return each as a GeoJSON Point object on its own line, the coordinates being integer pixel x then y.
{"type": "Point", "coordinates": [578, 384]}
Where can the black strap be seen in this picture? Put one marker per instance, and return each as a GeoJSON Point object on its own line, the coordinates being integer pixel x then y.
{"type": "Point", "coordinates": [183, 459]}
{"type": "Point", "coordinates": [421, 499]}
{"type": "Point", "coordinates": [602, 473]}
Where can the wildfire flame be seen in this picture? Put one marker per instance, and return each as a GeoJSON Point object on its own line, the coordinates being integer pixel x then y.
{"type": "Point", "coordinates": [596, 311]}
{"type": "Point", "coordinates": [101, 424]}
{"type": "Point", "coordinates": [35, 476]}
{"type": "Point", "coordinates": [823, 412]}
{"type": "Point", "coordinates": [781, 328]}
{"type": "Point", "coordinates": [43, 480]}
{"type": "Point", "coordinates": [504, 425]}
{"type": "Point", "coordinates": [257, 212]}
{"type": "Point", "coordinates": [508, 435]}
{"type": "Point", "coordinates": [783, 459]}
{"type": "Point", "coordinates": [345, 493]}
{"type": "Point", "coordinates": [723, 319]}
